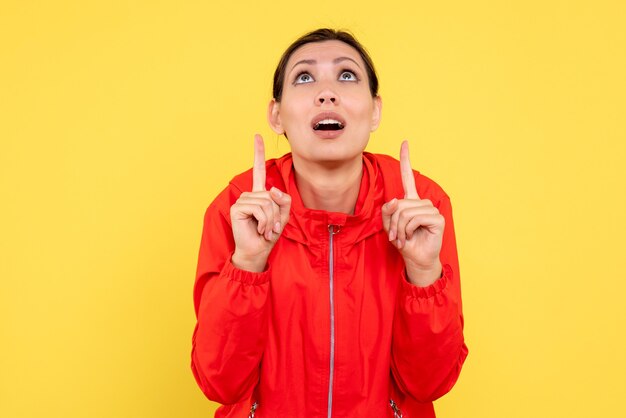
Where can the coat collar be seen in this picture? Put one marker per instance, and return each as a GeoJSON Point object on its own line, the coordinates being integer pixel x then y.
{"type": "Point", "coordinates": [310, 225]}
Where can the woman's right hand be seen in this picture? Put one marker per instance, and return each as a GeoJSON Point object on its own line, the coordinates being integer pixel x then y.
{"type": "Point", "coordinates": [258, 217]}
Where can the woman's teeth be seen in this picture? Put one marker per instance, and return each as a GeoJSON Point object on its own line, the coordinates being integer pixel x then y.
{"type": "Point", "coordinates": [328, 125]}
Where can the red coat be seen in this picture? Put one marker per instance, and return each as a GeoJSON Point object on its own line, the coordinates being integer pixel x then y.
{"type": "Point", "coordinates": [332, 324]}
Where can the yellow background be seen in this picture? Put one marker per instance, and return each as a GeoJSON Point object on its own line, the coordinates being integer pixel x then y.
{"type": "Point", "coordinates": [121, 120]}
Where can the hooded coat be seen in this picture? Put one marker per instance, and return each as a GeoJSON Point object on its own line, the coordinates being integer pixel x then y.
{"type": "Point", "coordinates": [332, 327]}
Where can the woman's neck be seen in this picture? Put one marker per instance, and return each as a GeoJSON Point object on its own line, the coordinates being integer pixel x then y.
{"type": "Point", "coordinates": [333, 188]}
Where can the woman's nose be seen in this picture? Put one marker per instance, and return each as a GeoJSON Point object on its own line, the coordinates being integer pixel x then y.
{"type": "Point", "coordinates": [327, 96]}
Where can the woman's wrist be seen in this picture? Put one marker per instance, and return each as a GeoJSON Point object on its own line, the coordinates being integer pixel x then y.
{"type": "Point", "coordinates": [255, 264]}
{"type": "Point", "coordinates": [423, 276]}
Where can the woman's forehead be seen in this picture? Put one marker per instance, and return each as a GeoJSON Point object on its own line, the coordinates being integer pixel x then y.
{"type": "Point", "coordinates": [314, 52]}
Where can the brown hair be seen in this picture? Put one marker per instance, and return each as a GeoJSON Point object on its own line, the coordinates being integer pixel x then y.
{"type": "Point", "coordinates": [321, 35]}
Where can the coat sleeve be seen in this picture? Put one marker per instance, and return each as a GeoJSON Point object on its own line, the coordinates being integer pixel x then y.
{"type": "Point", "coordinates": [231, 312]}
{"type": "Point", "coordinates": [428, 348]}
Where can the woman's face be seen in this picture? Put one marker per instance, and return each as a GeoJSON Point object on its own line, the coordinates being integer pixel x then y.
{"type": "Point", "coordinates": [326, 110]}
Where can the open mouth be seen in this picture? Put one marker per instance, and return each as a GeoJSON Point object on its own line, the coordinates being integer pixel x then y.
{"type": "Point", "coordinates": [328, 125]}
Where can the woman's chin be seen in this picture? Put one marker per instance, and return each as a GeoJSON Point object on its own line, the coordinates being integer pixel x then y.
{"type": "Point", "coordinates": [328, 147]}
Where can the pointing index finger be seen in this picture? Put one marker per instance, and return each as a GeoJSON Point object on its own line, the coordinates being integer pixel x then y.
{"type": "Point", "coordinates": [408, 180]}
{"type": "Point", "coordinates": [258, 169]}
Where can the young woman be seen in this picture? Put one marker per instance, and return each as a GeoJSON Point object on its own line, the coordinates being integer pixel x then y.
{"type": "Point", "coordinates": [328, 280]}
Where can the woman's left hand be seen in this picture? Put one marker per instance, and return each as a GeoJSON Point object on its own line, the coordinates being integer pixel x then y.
{"type": "Point", "coordinates": [415, 227]}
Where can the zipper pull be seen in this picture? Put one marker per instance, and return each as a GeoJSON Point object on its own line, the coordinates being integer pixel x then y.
{"type": "Point", "coordinates": [396, 411]}
{"type": "Point", "coordinates": [253, 409]}
{"type": "Point", "coordinates": [334, 229]}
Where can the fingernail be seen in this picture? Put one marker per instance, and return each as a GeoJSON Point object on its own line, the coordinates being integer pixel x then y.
{"type": "Point", "coordinates": [399, 243]}
{"type": "Point", "coordinates": [392, 235]}
{"type": "Point", "coordinates": [277, 227]}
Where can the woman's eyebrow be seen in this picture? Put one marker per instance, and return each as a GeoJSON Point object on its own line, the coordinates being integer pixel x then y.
{"type": "Point", "coordinates": [335, 61]}
{"type": "Point", "coordinates": [338, 60]}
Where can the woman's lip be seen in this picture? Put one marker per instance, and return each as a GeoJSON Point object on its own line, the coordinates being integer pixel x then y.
{"type": "Point", "coordinates": [328, 134]}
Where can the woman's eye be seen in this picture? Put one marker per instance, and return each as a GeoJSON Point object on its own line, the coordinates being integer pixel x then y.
{"type": "Point", "coordinates": [303, 78]}
{"type": "Point", "coordinates": [348, 76]}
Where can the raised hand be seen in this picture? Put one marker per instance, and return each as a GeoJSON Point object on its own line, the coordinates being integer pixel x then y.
{"type": "Point", "coordinates": [258, 217]}
{"type": "Point", "coordinates": [415, 227]}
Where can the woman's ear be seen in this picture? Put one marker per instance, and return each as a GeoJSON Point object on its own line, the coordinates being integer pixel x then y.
{"type": "Point", "coordinates": [273, 117]}
{"type": "Point", "coordinates": [377, 113]}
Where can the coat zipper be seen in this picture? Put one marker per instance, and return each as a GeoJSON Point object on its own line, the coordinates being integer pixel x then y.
{"type": "Point", "coordinates": [253, 408]}
{"type": "Point", "coordinates": [332, 230]}
{"type": "Point", "coordinates": [396, 411]}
